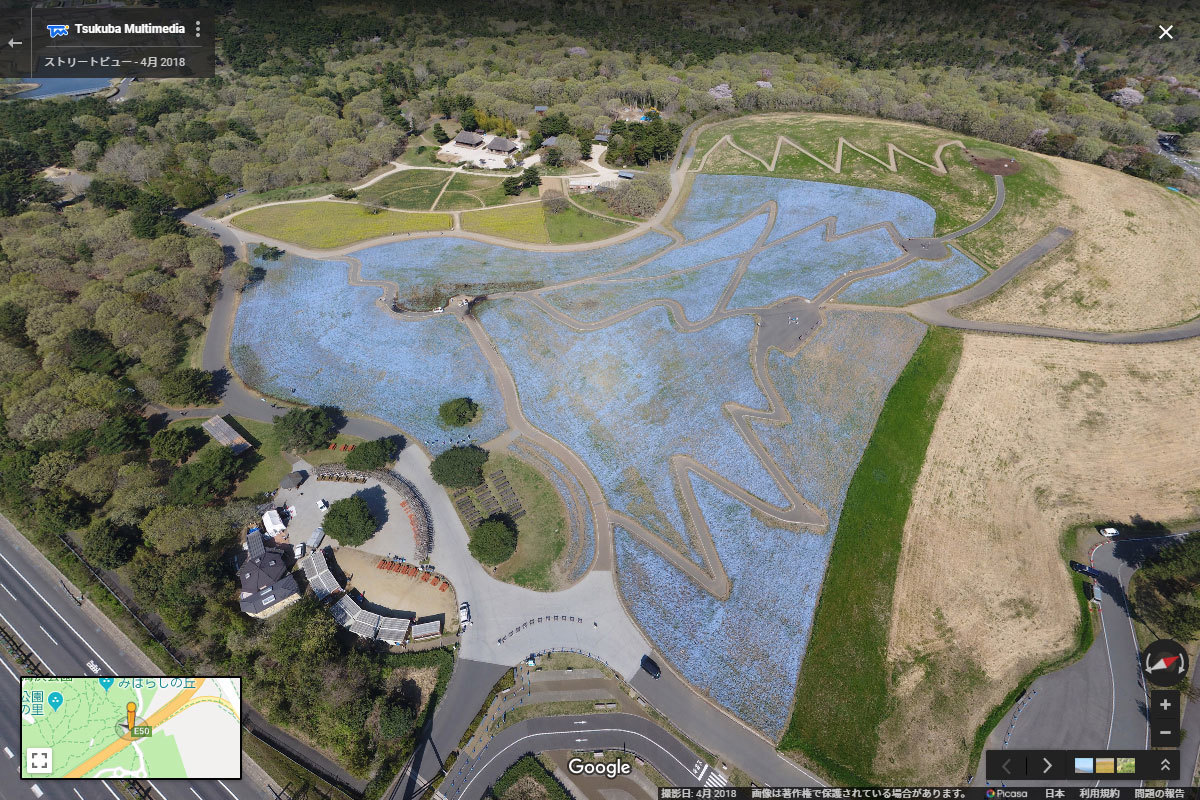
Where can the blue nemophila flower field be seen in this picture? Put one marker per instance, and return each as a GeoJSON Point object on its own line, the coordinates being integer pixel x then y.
{"type": "Point", "coordinates": [628, 397]}
{"type": "Point", "coordinates": [450, 259]}
{"type": "Point", "coordinates": [303, 333]}
{"type": "Point", "coordinates": [697, 291]}
{"type": "Point", "coordinates": [717, 200]}
{"type": "Point", "coordinates": [804, 265]}
{"type": "Point", "coordinates": [918, 280]}
{"type": "Point", "coordinates": [746, 651]}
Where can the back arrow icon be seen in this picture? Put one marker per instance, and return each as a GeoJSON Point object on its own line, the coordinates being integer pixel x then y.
{"type": "Point", "coordinates": [11, 43]}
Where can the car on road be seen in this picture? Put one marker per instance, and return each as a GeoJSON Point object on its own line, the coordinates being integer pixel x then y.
{"type": "Point", "coordinates": [651, 667]}
{"type": "Point", "coordinates": [1097, 593]}
{"type": "Point", "coordinates": [464, 614]}
{"type": "Point", "coordinates": [1108, 532]}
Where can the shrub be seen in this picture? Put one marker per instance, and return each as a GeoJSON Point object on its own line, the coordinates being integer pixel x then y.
{"type": "Point", "coordinates": [396, 720]}
{"type": "Point", "coordinates": [458, 412]}
{"type": "Point", "coordinates": [493, 542]}
{"type": "Point", "coordinates": [350, 521]}
{"type": "Point", "coordinates": [459, 467]}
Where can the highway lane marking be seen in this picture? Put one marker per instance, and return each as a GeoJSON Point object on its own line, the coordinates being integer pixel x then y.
{"type": "Point", "coordinates": [560, 733]}
{"type": "Point", "coordinates": [8, 752]}
{"type": "Point", "coordinates": [27, 644]}
{"type": "Point", "coordinates": [51, 638]}
{"type": "Point", "coordinates": [110, 791]}
{"type": "Point", "coordinates": [77, 794]}
{"type": "Point", "coordinates": [10, 594]}
{"type": "Point", "coordinates": [226, 788]}
{"type": "Point", "coordinates": [10, 670]}
{"type": "Point", "coordinates": [1136, 651]}
{"type": "Point", "coordinates": [193, 791]}
{"type": "Point", "coordinates": [55, 610]}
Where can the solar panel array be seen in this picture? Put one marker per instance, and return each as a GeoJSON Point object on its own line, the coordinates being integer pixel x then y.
{"type": "Point", "coordinates": [255, 545]}
{"type": "Point", "coordinates": [426, 630]}
{"type": "Point", "coordinates": [365, 623]}
{"type": "Point", "coordinates": [319, 577]}
{"type": "Point", "coordinates": [392, 629]}
{"type": "Point", "coordinates": [344, 610]}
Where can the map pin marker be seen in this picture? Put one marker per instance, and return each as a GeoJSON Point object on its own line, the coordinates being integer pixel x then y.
{"type": "Point", "coordinates": [55, 700]}
{"type": "Point", "coordinates": [106, 683]}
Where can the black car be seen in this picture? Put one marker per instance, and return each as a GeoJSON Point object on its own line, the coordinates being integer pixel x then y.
{"type": "Point", "coordinates": [651, 666]}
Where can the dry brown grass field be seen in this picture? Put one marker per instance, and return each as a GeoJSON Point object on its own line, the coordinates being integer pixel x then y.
{"type": "Point", "coordinates": [1130, 265]}
{"type": "Point", "coordinates": [1035, 435]}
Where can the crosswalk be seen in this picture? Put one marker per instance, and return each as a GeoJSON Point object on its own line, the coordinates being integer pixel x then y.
{"type": "Point", "coordinates": [712, 778]}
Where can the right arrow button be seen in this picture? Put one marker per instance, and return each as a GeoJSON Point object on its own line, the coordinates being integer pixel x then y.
{"type": "Point", "coordinates": [1049, 765]}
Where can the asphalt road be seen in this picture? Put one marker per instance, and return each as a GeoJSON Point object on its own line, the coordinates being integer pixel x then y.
{"type": "Point", "coordinates": [67, 642]}
{"type": "Point", "coordinates": [679, 765]}
{"type": "Point", "coordinates": [1100, 701]}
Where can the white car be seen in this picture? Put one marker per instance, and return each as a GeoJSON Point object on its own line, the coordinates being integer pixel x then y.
{"type": "Point", "coordinates": [464, 615]}
{"type": "Point", "coordinates": [1109, 533]}
{"type": "Point", "coordinates": [1097, 594]}
{"type": "Point", "coordinates": [322, 505]}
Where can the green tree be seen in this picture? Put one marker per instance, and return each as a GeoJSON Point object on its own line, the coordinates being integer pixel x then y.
{"type": "Point", "coordinates": [209, 477]}
{"type": "Point", "coordinates": [186, 387]}
{"type": "Point", "coordinates": [12, 322]}
{"type": "Point", "coordinates": [118, 434]}
{"type": "Point", "coordinates": [375, 454]}
{"type": "Point", "coordinates": [458, 412]}
{"type": "Point", "coordinates": [459, 467]}
{"type": "Point", "coordinates": [303, 429]}
{"type": "Point", "coordinates": [350, 521]}
{"type": "Point", "coordinates": [493, 542]}
{"type": "Point", "coordinates": [531, 177]}
{"type": "Point", "coordinates": [512, 186]}
{"type": "Point", "coordinates": [107, 545]}
{"type": "Point", "coordinates": [176, 444]}
{"type": "Point", "coordinates": [89, 350]}
{"type": "Point", "coordinates": [439, 133]}
{"type": "Point", "coordinates": [1164, 590]}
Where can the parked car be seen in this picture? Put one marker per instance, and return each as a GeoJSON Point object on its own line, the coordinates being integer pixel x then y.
{"type": "Point", "coordinates": [1097, 594]}
{"type": "Point", "coordinates": [651, 667]}
{"type": "Point", "coordinates": [464, 614]}
{"type": "Point", "coordinates": [321, 504]}
{"type": "Point", "coordinates": [1108, 533]}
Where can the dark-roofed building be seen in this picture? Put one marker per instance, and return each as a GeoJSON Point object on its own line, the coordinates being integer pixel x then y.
{"type": "Point", "coordinates": [550, 141]}
{"type": "Point", "coordinates": [293, 479]}
{"type": "Point", "coordinates": [468, 139]}
{"type": "Point", "coordinates": [602, 138]}
{"type": "Point", "coordinates": [499, 144]}
{"type": "Point", "coordinates": [266, 586]}
{"type": "Point", "coordinates": [626, 174]}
